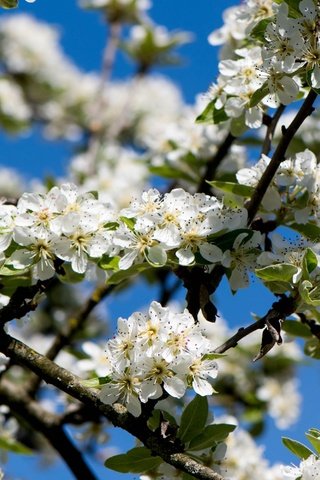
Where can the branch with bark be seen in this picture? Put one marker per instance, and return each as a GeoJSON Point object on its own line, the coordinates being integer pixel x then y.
{"type": "Point", "coordinates": [170, 451]}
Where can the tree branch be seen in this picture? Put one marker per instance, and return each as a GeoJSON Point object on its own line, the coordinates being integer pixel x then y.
{"type": "Point", "coordinates": [51, 373]}
{"type": "Point", "coordinates": [266, 146]}
{"type": "Point", "coordinates": [21, 405]}
{"type": "Point", "coordinates": [279, 311]}
{"type": "Point", "coordinates": [73, 326]}
{"type": "Point", "coordinates": [214, 162]}
{"type": "Point", "coordinates": [278, 156]}
{"type": "Point", "coordinates": [23, 301]}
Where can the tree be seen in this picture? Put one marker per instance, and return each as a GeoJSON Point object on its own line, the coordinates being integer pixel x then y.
{"type": "Point", "coordinates": [237, 197]}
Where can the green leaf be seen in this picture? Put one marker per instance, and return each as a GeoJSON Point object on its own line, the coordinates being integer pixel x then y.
{"type": "Point", "coordinates": [226, 240]}
{"type": "Point", "coordinates": [122, 275]}
{"type": "Point", "coordinates": [109, 263]}
{"type": "Point", "coordinates": [259, 95]}
{"type": "Point", "coordinates": [14, 446]}
{"type": "Point", "coordinates": [294, 11]}
{"type": "Point", "coordinates": [238, 126]}
{"type": "Point", "coordinates": [279, 272]}
{"type": "Point", "coordinates": [193, 418]}
{"type": "Point", "coordinates": [310, 294]}
{"type": "Point", "coordinates": [213, 356]}
{"type": "Point", "coordinates": [232, 187]}
{"type": "Point", "coordinates": [166, 171]}
{"type": "Point", "coordinates": [314, 438]}
{"type": "Point", "coordinates": [154, 421]}
{"type": "Point", "coordinates": [137, 460]}
{"type": "Point", "coordinates": [312, 348]}
{"type": "Point", "coordinates": [219, 115]}
{"type": "Point", "coordinates": [96, 382]}
{"type": "Point", "coordinates": [278, 287]}
{"type": "Point", "coordinates": [207, 115]}
{"type": "Point", "coordinates": [297, 448]}
{"type": "Point", "coordinates": [298, 329]}
{"type": "Point", "coordinates": [129, 222]}
{"type": "Point", "coordinates": [9, 3]}
{"type": "Point", "coordinates": [258, 30]}
{"type": "Point", "coordinates": [8, 270]}
{"type": "Point", "coordinates": [310, 261]}
{"type": "Point", "coordinates": [212, 434]}
{"type": "Point", "coordinates": [309, 230]}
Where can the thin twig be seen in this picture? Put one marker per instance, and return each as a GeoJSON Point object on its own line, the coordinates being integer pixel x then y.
{"type": "Point", "coordinates": [279, 310]}
{"type": "Point", "coordinates": [266, 146]}
{"type": "Point", "coordinates": [74, 324]}
{"type": "Point", "coordinates": [279, 155]}
{"type": "Point", "coordinates": [214, 162]}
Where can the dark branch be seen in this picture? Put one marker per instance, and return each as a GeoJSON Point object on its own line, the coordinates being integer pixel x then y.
{"type": "Point", "coordinates": [23, 301]}
{"type": "Point", "coordinates": [279, 311]}
{"type": "Point", "coordinates": [266, 146]}
{"type": "Point", "coordinates": [22, 406]}
{"type": "Point", "coordinates": [51, 373]}
{"type": "Point", "coordinates": [214, 163]}
{"type": "Point", "coordinates": [74, 324]}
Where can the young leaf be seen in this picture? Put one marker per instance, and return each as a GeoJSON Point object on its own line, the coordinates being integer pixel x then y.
{"type": "Point", "coordinates": [14, 446]}
{"type": "Point", "coordinates": [122, 275]}
{"type": "Point", "coordinates": [310, 294]}
{"type": "Point", "coordinates": [298, 329]}
{"type": "Point", "coordinates": [231, 187]}
{"type": "Point", "coordinates": [314, 440]}
{"type": "Point", "coordinates": [279, 272]}
{"type": "Point", "coordinates": [212, 434]}
{"type": "Point", "coordinates": [137, 460]}
{"type": "Point", "coordinates": [310, 261]}
{"type": "Point", "coordinates": [9, 3]}
{"type": "Point", "coordinates": [259, 95]}
{"type": "Point", "coordinates": [312, 348]}
{"type": "Point", "coordinates": [309, 230]}
{"type": "Point", "coordinates": [259, 30]}
{"type": "Point", "coordinates": [297, 448]}
{"type": "Point", "coordinates": [207, 115]}
{"type": "Point", "coordinates": [193, 418]}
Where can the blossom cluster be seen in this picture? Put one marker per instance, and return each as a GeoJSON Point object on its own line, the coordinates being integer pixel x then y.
{"type": "Point", "coordinates": [280, 60]}
{"type": "Point", "coordinates": [294, 192]}
{"type": "Point", "coordinates": [176, 228]}
{"type": "Point", "coordinates": [161, 351]}
{"type": "Point", "coordinates": [61, 225]}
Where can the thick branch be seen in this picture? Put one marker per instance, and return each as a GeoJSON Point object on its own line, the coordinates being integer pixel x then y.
{"type": "Point", "coordinates": [117, 414]}
{"type": "Point", "coordinates": [21, 405]}
{"type": "Point", "coordinates": [278, 156]}
{"type": "Point", "coordinates": [279, 311]}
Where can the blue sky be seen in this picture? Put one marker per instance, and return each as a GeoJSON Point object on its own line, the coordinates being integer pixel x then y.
{"type": "Point", "coordinates": [83, 36]}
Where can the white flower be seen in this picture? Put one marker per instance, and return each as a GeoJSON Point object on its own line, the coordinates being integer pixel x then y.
{"type": "Point", "coordinates": [308, 469]}
{"type": "Point", "coordinates": [124, 388]}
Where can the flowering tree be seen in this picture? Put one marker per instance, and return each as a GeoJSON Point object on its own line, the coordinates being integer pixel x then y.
{"type": "Point", "coordinates": [238, 197]}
